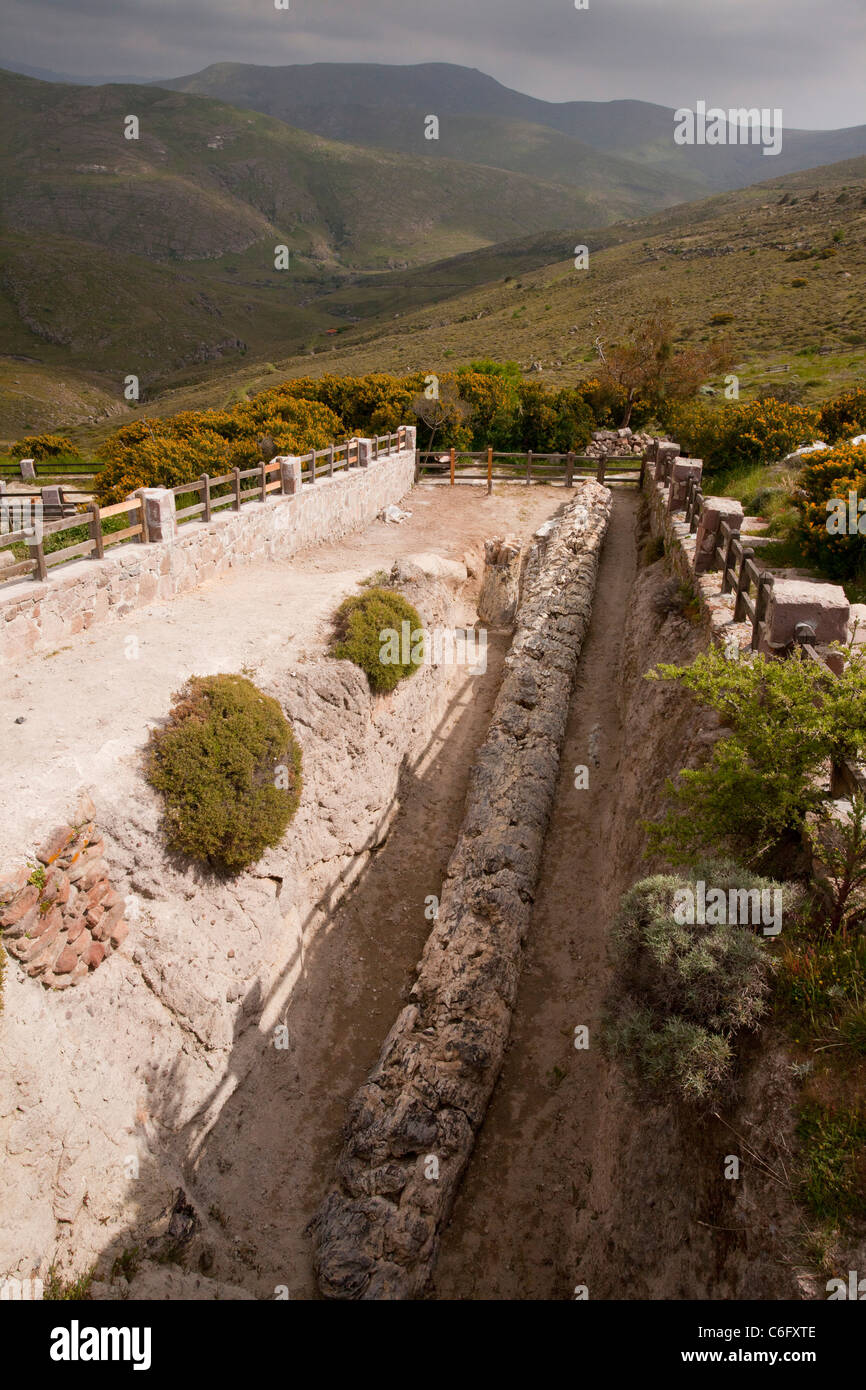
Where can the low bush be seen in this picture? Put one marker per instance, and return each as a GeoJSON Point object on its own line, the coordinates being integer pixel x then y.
{"type": "Point", "coordinates": [369, 630]}
{"type": "Point", "coordinates": [681, 993]}
{"type": "Point", "coordinates": [43, 446]}
{"type": "Point", "coordinates": [739, 433]}
{"type": "Point", "coordinates": [844, 415]}
{"type": "Point", "coordinates": [229, 770]}
{"type": "Point", "coordinates": [178, 449]}
{"type": "Point", "coordinates": [829, 477]}
{"type": "Point", "coordinates": [787, 721]}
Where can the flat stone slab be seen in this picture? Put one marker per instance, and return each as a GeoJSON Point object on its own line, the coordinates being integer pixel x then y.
{"type": "Point", "coordinates": [794, 601]}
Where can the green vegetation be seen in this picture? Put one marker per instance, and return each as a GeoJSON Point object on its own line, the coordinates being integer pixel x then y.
{"type": "Point", "coordinates": [825, 532]}
{"type": "Point", "coordinates": [831, 1182]}
{"type": "Point", "coordinates": [681, 994]}
{"type": "Point", "coordinates": [786, 720]}
{"type": "Point", "coordinates": [368, 629]}
{"type": "Point", "coordinates": [229, 770]}
{"type": "Point", "coordinates": [740, 434]}
{"type": "Point", "coordinates": [43, 446]}
{"type": "Point", "coordinates": [59, 1289]}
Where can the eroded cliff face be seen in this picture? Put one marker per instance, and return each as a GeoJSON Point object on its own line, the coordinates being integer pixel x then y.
{"type": "Point", "coordinates": [659, 1219]}
{"type": "Point", "coordinates": [108, 1091]}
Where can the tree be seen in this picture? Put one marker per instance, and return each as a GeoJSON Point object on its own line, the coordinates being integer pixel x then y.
{"type": "Point", "coordinates": [647, 366]}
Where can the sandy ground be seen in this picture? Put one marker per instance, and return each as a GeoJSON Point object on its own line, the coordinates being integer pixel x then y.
{"type": "Point", "coordinates": [511, 1231]}
{"type": "Point", "coordinates": [87, 708]}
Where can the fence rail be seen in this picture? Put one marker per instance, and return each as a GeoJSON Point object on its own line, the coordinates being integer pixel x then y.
{"type": "Point", "coordinates": [211, 494]}
{"type": "Point", "coordinates": [465, 465]}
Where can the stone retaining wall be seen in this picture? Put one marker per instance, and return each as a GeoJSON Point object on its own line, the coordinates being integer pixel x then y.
{"type": "Point", "coordinates": [412, 1125]}
{"type": "Point", "coordinates": [37, 616]}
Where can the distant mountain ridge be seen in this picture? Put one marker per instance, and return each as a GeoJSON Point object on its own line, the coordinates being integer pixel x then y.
{"type": "Point", "coordinates": [384, 105]}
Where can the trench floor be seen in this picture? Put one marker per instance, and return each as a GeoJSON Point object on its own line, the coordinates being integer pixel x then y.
{"type": "Point", "coordinates": [511, 1233]}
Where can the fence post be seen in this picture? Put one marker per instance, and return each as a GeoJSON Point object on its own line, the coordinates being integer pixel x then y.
{"type": "Point", "coordinates": [331, 462]}
{"type": "Point", "coordinates": [697, 504]}
{"type": "Point", "coordinates": [762, 598]}
{"type": "Point", "coordinates": [37, 554]}
{"type": "Point", "coordinates": [375, 446]}
{"type": "Point", "coordinates": [205, 492]}
{"type": "Point", "coordinates": [599, 472]}
{"type": "Point", "coordinates": [236, 505]}
{"type": "Point", "coordinates": [313, 462]}
{"type": "Point", "coordinates": [569, 469]}
{"type": "Point", "coordinates": [742, 584]}
{"type": "Point", "coordinates": [727, 575]}
{"type": "Point", "coordinates": [145, 529]}
{"type": "Point", "coordinates": [489, 469]}
{"type": "Point", "coordinates": [528, 467]}
{"type": "Point", "coordinates": [264, 481]}
{"type": "Point", "coordinates": [452, 467]}
{"type": "Point", "coordinates": [95, 529]}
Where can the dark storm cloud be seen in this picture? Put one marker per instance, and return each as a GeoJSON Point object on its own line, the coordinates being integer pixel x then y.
{"type": "Point", "coordinates": [803, 56]}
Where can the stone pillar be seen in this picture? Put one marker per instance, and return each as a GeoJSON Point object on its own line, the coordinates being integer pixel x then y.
{"type": "Point", "coordinates": [714, 511]}
{"type": "Point", "coordinates": [681, 471]}
{"type": "Point", "coordinates": [365, 452]}
{"type": "Point", "coordinates": [664, 452]}
{"type": "Point", "coordinates": [793, 601]}
{"type": "Point", "coordinates": [411, 436]}
{"type": "Point", "coordinates": [290, 473]}
{"type": "Point", "coordinates": [28, 470]}
{"type": "Point", "coordinates": [160, 512]}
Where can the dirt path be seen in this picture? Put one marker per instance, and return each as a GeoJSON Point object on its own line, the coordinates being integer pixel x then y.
{"type": "Point", "coordinates": [512, 1227]}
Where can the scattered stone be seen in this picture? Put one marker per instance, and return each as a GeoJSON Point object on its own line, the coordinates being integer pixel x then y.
{"type": "Point", "coordinates": [49, 922]}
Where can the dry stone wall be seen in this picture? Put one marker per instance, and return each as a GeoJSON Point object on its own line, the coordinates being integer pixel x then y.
{"type": "Point", "coordinates": [411, 1126]}
{"type": "Point", "coordinates": [37, 616]}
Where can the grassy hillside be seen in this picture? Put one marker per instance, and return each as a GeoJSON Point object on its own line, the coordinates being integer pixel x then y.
{"type": "Point", "coordinates": [734, 254]}
{"type": "Point", "coordinates": [488, 123]}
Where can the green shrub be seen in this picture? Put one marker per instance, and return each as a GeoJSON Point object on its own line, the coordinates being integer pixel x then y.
{"type": "Point", "coordinates": [788, 719]}
{"type": "Point", "coordinates": [362, 628]}
{"type": "Point", "coordinates": [229, 770]}
{"type": "Point", "coordinates": [681, 993]}
{"type": "Point", "coordinates": [43, 446]}
{"type": "Point", "coordinates": [831, 1176]}
{"type": "Point", "coordinates": [844, 415]}
{"type": "Point", "coordinates": [833, 474]}
{"type": "Point", "coordinates": [739, 433]}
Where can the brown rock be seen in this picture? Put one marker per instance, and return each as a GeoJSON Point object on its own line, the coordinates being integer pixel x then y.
{"type": "Point", "coordinates": [57, 887]}
{"type": "Point", "coordinates": [38, 949]}
{"type": "Point", "coordinates": [119, 933]}
{"type": "Point", "coordinates": [111, 899]}
{"type": "Point", "coordinates": [54, 845]}
{"type": "Point", "coordinates": [24, 927]}
{"type": "Point", "coordinates": [74, 929]}
{"type": "Point", "coordinates": [10, 887]}
{"type": "Point", "coordinates": [94, 872]}
{"type": "Point", "coordinates": [82, 943]}
{"type": "Point", "coordinates": [94, 914]}
{"type": "Point", "coordinates": [66, 961]}
{"type": "Point", "coordinates": [21, 904]}
{"type": "Point", "coordinates": [45, 922]}
{"type": "Point", "coordinates": [79, 862]}
{"type": "Point", "coordinates": [96, 954]}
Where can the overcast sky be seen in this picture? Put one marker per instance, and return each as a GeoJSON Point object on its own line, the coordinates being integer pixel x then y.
{"type": "Point", "coordinates": [805, 56]}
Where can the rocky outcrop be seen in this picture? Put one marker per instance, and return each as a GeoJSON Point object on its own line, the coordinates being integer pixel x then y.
{"type": "Point", "coordinates": [63, 919]}
{"type": "Point", "coordinates": [412, 1125]}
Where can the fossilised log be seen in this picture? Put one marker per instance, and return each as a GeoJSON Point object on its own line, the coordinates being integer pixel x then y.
{"type": "Point", "coordinates": [412, 1125]}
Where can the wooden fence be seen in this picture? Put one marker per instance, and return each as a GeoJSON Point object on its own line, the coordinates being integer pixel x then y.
{"type": "Point", "coordinates": [230, 490]}
{"type": "Point", "coordinates": [465, 466]}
